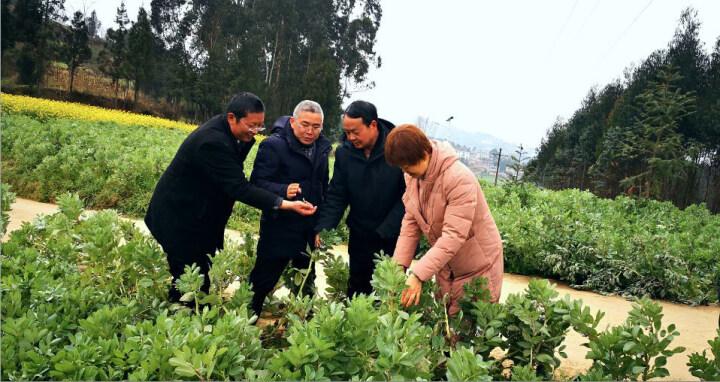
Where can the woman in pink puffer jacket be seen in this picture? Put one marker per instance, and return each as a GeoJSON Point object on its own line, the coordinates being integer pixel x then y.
{"type": "Point", "coordinates": [444, 202]}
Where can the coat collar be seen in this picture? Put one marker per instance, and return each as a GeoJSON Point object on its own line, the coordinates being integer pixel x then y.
{"type": "Point", "coordinates": [442, 157]}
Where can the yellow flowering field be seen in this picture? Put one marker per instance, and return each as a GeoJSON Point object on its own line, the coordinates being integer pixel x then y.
{"type": "Point", "coordinates": [45, 108]}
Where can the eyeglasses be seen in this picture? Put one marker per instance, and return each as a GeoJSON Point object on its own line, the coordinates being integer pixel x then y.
{"type": "Point", "coordinates": [255, 128]}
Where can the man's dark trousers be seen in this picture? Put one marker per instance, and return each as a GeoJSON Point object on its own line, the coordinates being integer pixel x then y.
{"type": "Point", "coordinates": [362, 247]}
{"type": "Point", "coordinates": [276, 248]}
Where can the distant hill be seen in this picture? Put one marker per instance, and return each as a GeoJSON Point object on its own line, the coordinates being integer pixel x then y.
{"type": "Point", "coordinates": [473, 140]}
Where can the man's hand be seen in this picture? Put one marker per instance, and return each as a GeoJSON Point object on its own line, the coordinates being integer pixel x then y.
{"type": "Point", "coordinates": [411, 294]}
{"type": "Point", "coordinates": [293, 190]}
{"type": "Point", "coordinates": [301, 207]}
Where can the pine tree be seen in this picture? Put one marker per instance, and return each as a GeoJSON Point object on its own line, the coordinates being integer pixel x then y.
{"type": "Point", "coordinates": [141, 49]}
{"type": "Point", "coordinates": [114, 56]}
{"type": "Point", "coordinates": [659, 143]}
{"type": "Point", "coordinates": [94, 25]}
{"type": "Point", "coordinates": [34, 23]}
{"type": "Point", "coordinates": [77, 49]}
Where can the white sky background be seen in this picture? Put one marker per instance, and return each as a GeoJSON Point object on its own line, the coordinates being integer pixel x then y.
{"type": "Point", "coordinates": [507, 68]}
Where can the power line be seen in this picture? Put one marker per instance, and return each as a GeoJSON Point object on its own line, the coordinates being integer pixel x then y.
{"type": "Point", "coordinates": [560, 33]}
{"type": "Point", "coordinates": [622, 35]}
{"type": "Point", "coordinates": [587, 18]}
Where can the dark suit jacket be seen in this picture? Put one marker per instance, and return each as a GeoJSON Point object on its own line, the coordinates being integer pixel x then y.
{"type": "Point", "coordinates": [194, 197]}
{"type": "Point", "coordinates": [370, 186]}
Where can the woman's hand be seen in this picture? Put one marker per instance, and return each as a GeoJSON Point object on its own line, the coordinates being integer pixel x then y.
{"type": "Point", "coordinates": [411, 294]}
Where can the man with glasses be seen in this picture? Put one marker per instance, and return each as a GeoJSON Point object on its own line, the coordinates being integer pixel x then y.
{"type": "Point", "coordinates": [195, 195]}
{"type": "Point", "coordinates": [292, 163]}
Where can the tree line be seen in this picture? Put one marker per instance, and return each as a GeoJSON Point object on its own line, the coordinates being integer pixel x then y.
{"type": "Point", "coordinates": [654, 133]}
{"type": "Point", "coordinates": [194, 54]}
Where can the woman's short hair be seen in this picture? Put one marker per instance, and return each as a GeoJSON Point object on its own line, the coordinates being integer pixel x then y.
{"type": "Point", "coordinates": [406, 145]}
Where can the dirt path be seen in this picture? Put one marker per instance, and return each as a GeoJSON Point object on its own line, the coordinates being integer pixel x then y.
{"type": "Point", "coordinates": [696, 324]}
{"type": "Point", "coordinates": [25, 210]}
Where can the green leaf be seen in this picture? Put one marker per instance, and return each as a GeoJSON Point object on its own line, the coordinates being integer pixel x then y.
{"type": "Point", "coordinates": [662, 372]}
{"type": "Point", "coordinates": [182, 367]}
{"type": "Point", "coordinates": [212, 299]}
{"type": "Point", "coordinates": [65, 366]}
{"type": "Point", "coordinates": [679, 349]}
{"type": "Point", "coordinates": [544, 358]}
{"type": "Point", "coordinates": [187, 297]}
{"type": "Point", "coordinates": [660, 361]}
{"type": "Point", "coordinates": [628, 346]}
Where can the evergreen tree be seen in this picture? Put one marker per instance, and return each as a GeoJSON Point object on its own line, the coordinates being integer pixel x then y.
{"type": "Point", "coordinates": [141, 51]}
{"type": "Point", "coordinates": [659, 144]}
{"type": "Point", "coordinates": [77, 50]}
{"type": "Point", "coordinates": [114, 55]}
{"type": "Point", "coordinates": [94, 25]}
{"type": "Point", "coordinates": [36, 25]}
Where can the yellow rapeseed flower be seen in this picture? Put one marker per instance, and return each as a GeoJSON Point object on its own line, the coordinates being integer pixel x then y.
{"type": "Point", "coordinates": [45, 108]}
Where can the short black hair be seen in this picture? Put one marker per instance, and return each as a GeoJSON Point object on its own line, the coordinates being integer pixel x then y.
{"type": "Point", "coordinates": [243, 103]}
{"type": "Point", "coordinates": [362, 109]}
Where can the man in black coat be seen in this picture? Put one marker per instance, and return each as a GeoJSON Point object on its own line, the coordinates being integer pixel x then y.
{"type": "Point", "coordinates": [291, 163]}
{"type": "Point", "coordinates": [373, 190]}
{"type": "Point", "coordinates": [195, 195]}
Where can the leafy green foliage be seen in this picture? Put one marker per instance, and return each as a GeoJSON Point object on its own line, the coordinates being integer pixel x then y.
{"type": "Point", "coordinates": [107, 165]}
{"type": "Point", "coordinates": [703, 367]}
{"type": "Point", "coordinates": [70, 285]}
{"type": "Point", "coordinates": [594, 375]}
{"type": "Point", "coordinates": [388, 282]}
{"type": "Point", "coordinates": [232, 264]}
{"type": "Point", "coordinates": [626, 246]}
{"type": "Point", "coordinates": [337, 274]}
{"type": "Point", "coordinates": [637, 349]}
{"type": "Point", "coordinates": [7, 198]}
{"type": "Point", "coordinates": [487, 320]}
{"type": "Point", "coordinates": [465, 365]}
{"type": "Point", "coordinates": [536, 325]}
{"type": "Point", "coordinates": [356, 340]}
{"type": "Point", "coordinates": [524, 373]}
{"type": "Point", "coordinates": [189, 285]}
{"type": "Point", "coordinates": [84, 297]}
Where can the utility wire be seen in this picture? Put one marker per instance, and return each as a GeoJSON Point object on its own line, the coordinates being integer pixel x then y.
{"type": "Point", "coordinates": [560, 33]}
{"type": "Point", "coordinates": [622, 35]}
{"type": "Point", "coordinates": [587, 18]}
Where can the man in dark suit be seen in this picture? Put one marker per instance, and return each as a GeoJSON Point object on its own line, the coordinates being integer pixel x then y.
{"type": "Point", "coordinates": [195, 195]}
{"type": "Point", "coordinates": [373, 190]}
{"type": "Point", "coordinates": [292, 163]}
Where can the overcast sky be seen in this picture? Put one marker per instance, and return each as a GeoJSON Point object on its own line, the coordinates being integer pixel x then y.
{"type": "Point", "coordinates": [507, 68]}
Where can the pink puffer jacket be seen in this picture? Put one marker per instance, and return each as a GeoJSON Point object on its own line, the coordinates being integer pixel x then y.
{"type": "Point", "coordinates": [449, 208]}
